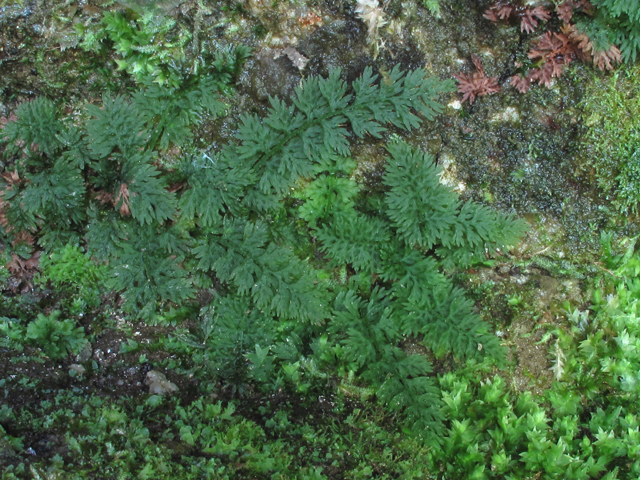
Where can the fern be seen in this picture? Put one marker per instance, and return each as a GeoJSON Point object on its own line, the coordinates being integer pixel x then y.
{"type": "Point", "coordinates": [422, 216]}
{"type": "Point", "coordinates": [117, 126]}
{"type": "Point", "coordinates": [36, 129]}
{"type": "Point", "coordinates": [17, 217]}
{"type": "Point", "coordinates": [233, 225]}
{"type": "Point", "coordinates": [331, 193]}
{"type": "Point", "coordinates": [45, 190]}
{"type": "Point", "coordinates": [105, 231]}
{"type": "Point", "coordinates": [52, 198]}
{"type": "Point", "coordinates": [231, 328]}
{"type": "Point", "coordinates": [425, 212]}
{"type": "Point", "coordinates": [61, 173]}
{"type": "Point", "coordinates": [421, 209]}
{"type": "Point", "coordinates": [368, 333]}
{"type": "Point", "coordinates": [271, 155]}
{"type": "Point", "coordinates": [170, 112]}
{"type": "Point", "coordinates": [241, 254]}
{"type": "Point", "coordinates": [478, 231]}
{"type": "Point", "coordinates": [216, 186]}
{"type": "Point", "coordinates": [411, 274]}
{"type": "Point", "coordinates": [356, 239]}
{"type": "Point", "coordinates": [615, 22]}
{"type": "Point", "coordinates": [123, 167]}
{"type": "Point", "coordinates": [228, 61]}
{"type": "Point", "coordinates": [146, 267]}
{"type": "Point", "coordinates": [56, 194]}
{"type": "Point", "coordinates": [446, 319]}
{"type": "Point", "coordinates": [149, 200]}
{"type": "Point", "coordinates": [291, 139]}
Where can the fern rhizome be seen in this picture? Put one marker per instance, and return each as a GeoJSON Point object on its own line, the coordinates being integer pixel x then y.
{"type": "Point", "coordinates": [309, 280]}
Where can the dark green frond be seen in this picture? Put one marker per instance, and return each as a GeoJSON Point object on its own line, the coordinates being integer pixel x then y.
{"type": "Point", "coordinates": [37, 126]}
{"type": "Point", "coordinates": [216, 187]}
{"type": "Point", "coordinates": [170, 112]}
{"type": "Point", "coordinates": [422, 210]}
{"type": "Point", "coordinates": [145, 273]}
{"type": "Point", "coordinates": [355, 239]}
{"type": "Point", "coordinates": [369, 337]}
{"type": "Point", "coordinates": [241, 254]}
{"type": "Point", "coordinates": [117, 125]}
{"type": "Point", "coordinates": [449, 324]}
{"type": "Point", "coordinates": [56, 194]}
{"type": "Point", "coordinates": [149, 200]}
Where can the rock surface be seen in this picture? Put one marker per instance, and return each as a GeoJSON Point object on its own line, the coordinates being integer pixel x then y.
{"type": "Point", "coordinates": [158, 383]}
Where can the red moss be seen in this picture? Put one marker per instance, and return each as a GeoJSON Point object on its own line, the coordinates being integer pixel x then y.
{"type": "Point", "coordinates": [477, 84]}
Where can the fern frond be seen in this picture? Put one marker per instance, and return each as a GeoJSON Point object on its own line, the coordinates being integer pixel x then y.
{"type": "Point", "coordinates": [413, 275]}
{"type": "Point", "coordinates": [241, 254]}
{"type": "Point", "coordinates": [614, 22]}
{"type": "Point", "coordinates": [56, 194]}
{"type": "Point", "coordinates": [421, 209]}
{"type": "Point", "coordinates": [369, 346]}
{"type": "Point", "coordinates": [146, 273]}
{"type": "Point", "coordinates": [409, 390]}
{"type": "Point", "coordinates": [37, 128]}
{"type": "Point", "coordinates": [149, 201]}
{"type": "Point", "coordinates": [170, 112]}
{"type": "Point", "coordinates": [215, 188]}
{"type": "Point", "coordinates": [355, 239]}
{"type": "Point", "coordinates": [76, 152]}
{"type": "Point", "coordinates": [288, 287]}
{"type": "Point", "coordinates": [232, 327]}
{"type": "Point", "coordinates": [327, 196]}
{"type": "Point", "coordinates": [427, 214]}
{"type": "Point", "coordinates": [365, 326]}
{"type": "Point", "coordinates": [117, 125]}
{"type": "Point", "coordinates": [105, 232]}
{"type": "Point", "coordinates": [479, 230]}
{"type": "Point", "coordinates": [290, 140]}
{"type": "Point", "coordinates": [446, 319]}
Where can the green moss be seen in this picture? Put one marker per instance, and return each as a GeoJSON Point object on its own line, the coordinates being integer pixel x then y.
{"type": "Point", "coordinates": [610, 147]}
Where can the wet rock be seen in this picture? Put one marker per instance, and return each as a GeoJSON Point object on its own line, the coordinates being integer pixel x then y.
{"type": "Point", "coordinates": [299, 61]}
{"type": "Point", "coordinates": [78, 369]}
{"type": "Point", "coordinates": [158, 383]}
{"type": "Point", "coordinates": [339, 44]}
{"type": "Point", "coordinates": [268, 76]}
{"type": "Point", "coordinates": [85, 354]}
{"type": "Point", "coordinates": [159, 7]}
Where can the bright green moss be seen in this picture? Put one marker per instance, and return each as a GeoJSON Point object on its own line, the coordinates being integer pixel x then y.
{"type": "Point", "coordinates": [611, 142]}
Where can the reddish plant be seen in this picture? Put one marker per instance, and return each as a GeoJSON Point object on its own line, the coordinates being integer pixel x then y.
{"type": "Point", "coordinates": [22, 270]}
{"type": "Point", "coordinates": [310, 18]}
{"type": "Point", "coordinates": [565, 9]}
{"type": "Point", "coordinates": [3, 216]}
{"type": "Point", "coordinates": [23, 267]}
{"type": "Point", "coordinates": [122, 199]}
{"type": "Point", "coordinates": [120, 202]}
{"type": "Point", "coordinates": [529, 17]}
{"type": "Point", "coordinates": [602, 59]}
{"type": "Point", "coordinates": [555, 51]}
{"type": "Point", "coordinates": [477, 84]}
{"type": "Point", "coordinates": [23, 237]}
{"type": "Point", "coordinates": [520, 83]}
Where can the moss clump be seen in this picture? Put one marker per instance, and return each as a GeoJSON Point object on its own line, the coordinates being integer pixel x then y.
{"type": "Point", "coordinates": [610, 145]}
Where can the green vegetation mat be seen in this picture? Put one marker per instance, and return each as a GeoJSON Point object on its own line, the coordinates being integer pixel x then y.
{"type": "Point", "coordinates": [202, 283]}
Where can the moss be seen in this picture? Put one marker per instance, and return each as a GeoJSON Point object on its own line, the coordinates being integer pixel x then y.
{"type": "Point", "coordinates": [610, 145]}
